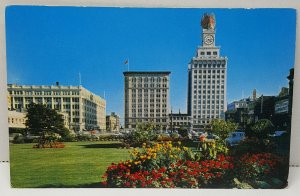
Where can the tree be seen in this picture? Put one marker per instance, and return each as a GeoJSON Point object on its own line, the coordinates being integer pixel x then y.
{"type": "Point", "coordinates": [183, 131]}
{"type": "Point", "coordinates": [144, 133]}
{"type": "Point", "coordinates": [45, 122]}
{"type": "Point", "coordinates": [222, 128]}
{"type": "Point", "coordinates": [263, 128]}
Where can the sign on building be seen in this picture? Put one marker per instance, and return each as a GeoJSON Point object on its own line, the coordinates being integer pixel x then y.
{"type": "Point", "coordinates": [282, 106]}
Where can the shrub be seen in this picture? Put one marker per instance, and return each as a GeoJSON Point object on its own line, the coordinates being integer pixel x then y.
{"type": "Point", "coordinates": [18, 139]}
{"type": "Point", "coordinates": [209, 149]}
{"type": "Point", "coordinates": [183, 132]}
{"type": "Point", "coordinates": [145, 132]}
{"type": "Point", "coordinates": [222, 128]}
{"type": "Point", "coordinates": [254, 145]}
{"type": "Point", "coordinates": [263, 128]}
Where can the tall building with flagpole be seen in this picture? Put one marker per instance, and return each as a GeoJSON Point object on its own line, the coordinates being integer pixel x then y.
{"type": "Point", "coordinates": [146, 98]}
{"type": "Point", "coordinates": [207, 78]}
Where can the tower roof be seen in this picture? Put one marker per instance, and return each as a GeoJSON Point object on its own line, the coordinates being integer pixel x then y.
{"type": "Point", "coordinates": [208, 21]}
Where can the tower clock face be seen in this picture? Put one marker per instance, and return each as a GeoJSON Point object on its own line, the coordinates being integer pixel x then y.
{"type": "Point", "coordinates": [208, 39]}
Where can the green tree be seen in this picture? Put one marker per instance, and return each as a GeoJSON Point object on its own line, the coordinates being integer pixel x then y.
{"type": "Point", "coordinates": [263, 128]}
{"type": "Point", "coordinates": [183, 131]}
{"type": "Point", "coordinates": [222, 128]}
{"type": "Point", "coordinates": [45, 122]}
{"type": "Point", "coordinates": [144, 133]}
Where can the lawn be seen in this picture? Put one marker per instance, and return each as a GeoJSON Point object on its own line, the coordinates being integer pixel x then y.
{"type": "Point", "coordinates": [79, 164]}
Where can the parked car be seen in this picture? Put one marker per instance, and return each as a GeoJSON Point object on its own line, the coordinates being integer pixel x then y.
{"type": "Point", "coordinates": [277, 134]}
{"type": "Point", "coordinates": [212, 136]}
{"type": "Point", "coordinates": [235, 138]}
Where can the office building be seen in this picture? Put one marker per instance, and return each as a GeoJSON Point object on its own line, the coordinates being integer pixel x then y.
{"type": "Point", "coordinates": [84, 109]}
{"type": "Point", "coordinates": [146, 98]}
{"type": "Point", "coordinates": [207, 78]}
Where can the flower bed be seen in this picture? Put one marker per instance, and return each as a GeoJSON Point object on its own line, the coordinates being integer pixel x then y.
{"type": "Point", "coordinates": [258, 166]}
{"type": "Point", "coordinates": [50, 145]}
{"type": "Point", "coordinates": [168, 166]}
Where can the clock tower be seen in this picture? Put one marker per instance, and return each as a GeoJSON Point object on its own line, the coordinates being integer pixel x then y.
{"type": "Point", "coordinates": [208, 23]}
{"type": "Point", "coordinates": [207, 79]}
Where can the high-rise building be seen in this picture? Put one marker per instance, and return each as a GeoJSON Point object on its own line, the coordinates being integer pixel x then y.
{"type": "Point", "coordinates": [85, 110]}
{"type": "Point", "coordinates": [146, 98]}
{"type": "Point", "coordinates": [113, 122]}
{"type": "Point", "coordinates": [207, 78]}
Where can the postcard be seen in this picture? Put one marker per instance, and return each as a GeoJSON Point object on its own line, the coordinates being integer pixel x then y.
{"type": "Point", "coordinates": [108, 97]}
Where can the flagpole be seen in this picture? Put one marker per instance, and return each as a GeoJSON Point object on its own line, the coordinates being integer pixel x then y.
{"type": "Point", "coordinates": [128, 65]}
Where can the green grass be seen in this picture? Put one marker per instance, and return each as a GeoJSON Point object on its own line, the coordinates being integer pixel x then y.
{"type": "Point", "coordinates": [79, 164]}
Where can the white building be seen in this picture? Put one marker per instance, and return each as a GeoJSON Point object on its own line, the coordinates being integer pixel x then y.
{"type": "Point", "coordinates": [207, 78]}
{"type": "Point", "coordinates": [85, 110]}
{"type": "Point", "coordinates": [16, 119]}
{"type": "Point", "coordinates": [146, 98]}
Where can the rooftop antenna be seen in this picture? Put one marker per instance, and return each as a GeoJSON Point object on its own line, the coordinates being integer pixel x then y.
{"type": "Point", "coordinates": [79, 76]}
{"type": "Point", "coordinates": [104, 95]}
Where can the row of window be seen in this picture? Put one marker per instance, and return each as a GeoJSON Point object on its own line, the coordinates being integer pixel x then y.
{"type": "Point", "coordinates": [209, 53]}
{"type": "Point", "coordinates": [158, 110]}
{"type": "Point", "coordinates": [217, 86]}
{"type": "Point", "coordinates": [16, 120]}
{"type": "Point", "coordinates": [204, 112]}
{"type": "Point", "coordinates": [201, 121]}
{"type": "Point", "coordinates": [209, 107]}
{"type": "Point", "coordinates": [146, 91]}
{"type": "Point", "coordinates": [151, 95]}
{"type": "Point", "coordinates": [180, 118]}
{"type": "Point", "coordinates": [151, 105]}
{"type": "Point", "coordinates": [149, 79]}
{"type": "Point", "coordinates": [208, 66]}
{"type": "Point", "coordinates": [150, 85]}
{"type": "Point", "coordinates": [46, 99]}
{"type": "Point", "coordinates": [17, 92]}
{"type": "Point", "coordinates": [133, 101]}
{"type": "Point", "coordinates": [208, 77]}
{"type": "Point", "coordinates": [208, 91]}
{"type": "Point", "coordinates": [208, 71]}
{"type": "Point", "coordinates": [146, 120]}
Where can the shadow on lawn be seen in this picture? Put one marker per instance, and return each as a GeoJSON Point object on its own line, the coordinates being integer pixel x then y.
{"type": "Point", "coordinates": [92, 185]}
{"type": "Point", "coordinates": [112, 145]}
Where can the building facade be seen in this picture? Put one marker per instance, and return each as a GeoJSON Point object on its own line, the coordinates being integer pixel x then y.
{"type": "Point", "coordinates": [146, 98]}
{"type": "Point", "coordinates": [16, 120]}
{"type": "Point", "coordinates": [84, 109]}
{"type": "Point", "coordinates": [179, 120]}
{"type": "Point", "coordinates": [207, 75]}
{"type": "Point", "coordinates": [243, 103]}
{"type": "Point", "coordinates": [113, 122]}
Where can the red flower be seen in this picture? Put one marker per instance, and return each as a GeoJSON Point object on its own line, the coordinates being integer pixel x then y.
{"type": "Point", "coordinates": [104, 183]}
{"type": "Point", "coordinates": [127, 184]}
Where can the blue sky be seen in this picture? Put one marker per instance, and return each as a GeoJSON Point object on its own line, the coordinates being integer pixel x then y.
{"type": "Point", "coordinates": [49, 44]}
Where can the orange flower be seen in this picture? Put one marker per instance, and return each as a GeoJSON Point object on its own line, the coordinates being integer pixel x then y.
{"type": "Point", "coordinates": [202, 138]}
